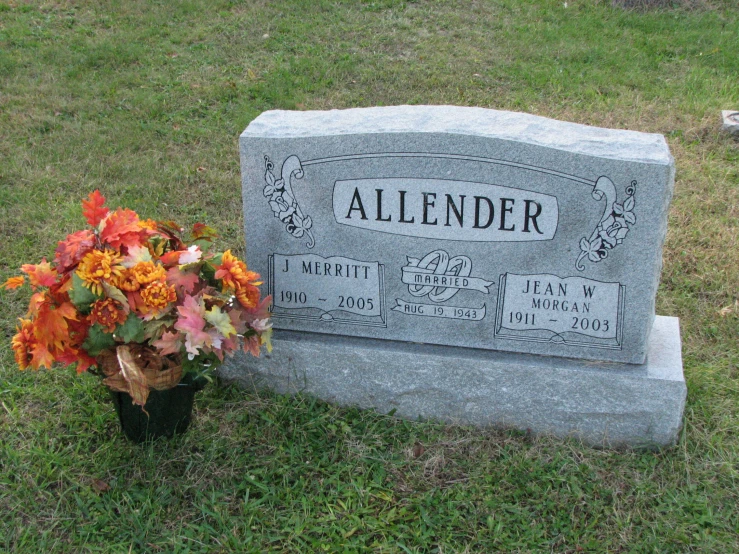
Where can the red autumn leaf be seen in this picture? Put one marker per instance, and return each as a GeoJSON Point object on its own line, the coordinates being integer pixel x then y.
{"type": "Point", "coordinates": [252, 345]}
{"type": "Point", "coordinates": [94, 208]}
{"type": "Point", "coordinates": [184, 281]}
{"type": "Point", "coordinates": [59, 291]}
{"type": "Point", "coordinates": [40, 275]}
{"type": "Point", "coordinates": [85, 362]}
{"type": "Point", "coordinates": [202, 231]}
{"type": "Point", "coordinates": [72, 250]}
{"type": "Point", "coordinates": [75, 356]}
{"type": "Point", "coordinates": [236, 320]}
{"type": "Point", "coordinates": [78, 330]}
{"type": "Point", "coordinates": [13, 283]}
{"type": "Point", "coordinates": [171, 231]}
{"type": "Point", "coordinates": [171, 258]}
{"type": "Point", "coordinates": [260, 311]}
{"type": "Point", "coordinates": [170, 343]}
{"type": "Point", "coordinates": [169, 226]}
{"type": "Point", "coordinates": [122, 228]}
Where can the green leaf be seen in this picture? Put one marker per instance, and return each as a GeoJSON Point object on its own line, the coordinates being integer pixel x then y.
{"type": "Point", "coordinates": [82, 297]}
{"type": "Point", "coordinates": [97, 340]}
{"type": "Point", "coordinates": [204, 244]}
{"type": "Point", "coordinates": [201, 365]}
{"type": "Point", "coordinates": [153, 329]}
{"type": "Point", "coordinates": [131, 330]}
{"type": "Point", "coordinates": [209, 273]}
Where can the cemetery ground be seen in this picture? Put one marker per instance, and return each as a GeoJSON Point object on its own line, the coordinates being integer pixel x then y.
{"type": "Point", "coordinates": [146, 101]}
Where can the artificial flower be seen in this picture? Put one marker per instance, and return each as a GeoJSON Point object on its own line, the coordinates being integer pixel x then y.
{"type": "Point", "coordinates": [131, 299]}
{"type": "Point", "coordinates": [98, 266]}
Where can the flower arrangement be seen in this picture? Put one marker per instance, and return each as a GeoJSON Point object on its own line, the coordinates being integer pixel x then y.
{"type": "Point", "coordinates": [129, 299]}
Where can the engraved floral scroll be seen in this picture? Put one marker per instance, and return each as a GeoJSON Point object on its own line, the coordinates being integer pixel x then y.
{"type": "Point", "coordinates": [613, 225]}
{"type": "Point", "coordinates": [282, 199]}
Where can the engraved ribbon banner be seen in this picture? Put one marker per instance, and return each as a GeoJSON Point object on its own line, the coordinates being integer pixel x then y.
{"type": "Point", "coordinates": [440, 276]}
{"type": "Point", "coordinates": [421, 276]}
{"type": "Point", "coordinates": [431, 310]}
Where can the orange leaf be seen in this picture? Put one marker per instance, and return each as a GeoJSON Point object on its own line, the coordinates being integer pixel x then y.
{"type": "Point", "coordinates": [94, 208]}
{"type": "Point", "coordinates": [50, 327]}
{"type": "Point", "coordinates": [41, 357]}
{"type": "Point", "coordinates": [123, 228]}
{"type": "Point", "coordinates": [34, 304]}
{"type": "Point", "coordinates": [137, 386]}
{"type": "Point", "coordinates": [40, 275]}
{"type": "Point", "coordinates": [13, 283]}
{"type": "Point", "coordinates": [72, 250]}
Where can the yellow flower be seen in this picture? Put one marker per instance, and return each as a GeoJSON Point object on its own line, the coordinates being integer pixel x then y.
{"type": "Point", "coordinates": [148, 272]}
{"type": "Point", "coordinates": [98, 266]}
{"type": "Point", "coordinates": [157, 296]}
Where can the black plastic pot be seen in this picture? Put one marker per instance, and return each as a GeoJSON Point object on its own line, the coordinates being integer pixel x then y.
{"type": "Point", "coordinates": [169, 411]}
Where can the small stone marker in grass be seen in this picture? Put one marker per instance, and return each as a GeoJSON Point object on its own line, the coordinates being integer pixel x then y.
{"type": "Point", "coordinates": [730, 122]}
{"type": "Point", "coordinates": [466, 264]}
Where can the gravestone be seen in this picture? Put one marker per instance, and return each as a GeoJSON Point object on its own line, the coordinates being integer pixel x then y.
{"type": "Point", "coordinates": [730, 121]}
{"type": "Point", "coordinates": [466, 264]}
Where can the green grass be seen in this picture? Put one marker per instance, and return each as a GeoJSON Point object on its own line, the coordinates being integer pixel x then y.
{"type": "Point", "coordinates": [145, 100]}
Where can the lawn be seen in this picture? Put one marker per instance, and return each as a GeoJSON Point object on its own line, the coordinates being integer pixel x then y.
{"type": "Point", "coordinates": [145, 101]}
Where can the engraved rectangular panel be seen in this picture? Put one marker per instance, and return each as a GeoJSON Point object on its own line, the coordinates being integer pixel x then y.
{"type": "Point", "coordinates": [445, 209]}
{"type": "Point", "coordinates": [337, 289]}
{"type": "Point", "coordinates": [574, 311]}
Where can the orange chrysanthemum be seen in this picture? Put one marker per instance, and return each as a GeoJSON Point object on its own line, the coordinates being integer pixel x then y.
{"type": "Point", "coordinates": [248, 296]}
{"type": "Point", "coordinates": [99, 266]}
{"type": "Point", "coordinates": [234, 274]}
{"type": "Point", "coordinates": [126, 281]}
{"type": "Point", "coordinates": [158, 295]}
{"type": "Point", "coordinates": [23, 343]}
{"type": "Point", "coordinates": [108, 313]}
{"type": "Point", "coordinates": [148, 272]}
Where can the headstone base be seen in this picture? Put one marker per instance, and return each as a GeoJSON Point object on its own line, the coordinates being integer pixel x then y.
{"type": "Point", "coordinates": [601, 403]}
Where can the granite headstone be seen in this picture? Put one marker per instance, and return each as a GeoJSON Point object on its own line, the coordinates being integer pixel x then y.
{"type": "Point", "coordinates": [469, 230]}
